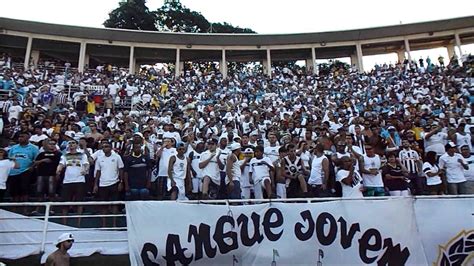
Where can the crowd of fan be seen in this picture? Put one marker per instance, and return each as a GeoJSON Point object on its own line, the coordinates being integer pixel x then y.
{"type": "Point", "coordinates": [398, 130]}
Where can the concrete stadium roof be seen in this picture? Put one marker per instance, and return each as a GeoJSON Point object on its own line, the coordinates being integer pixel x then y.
{"type": "Point", "coordinates": [111, 35]}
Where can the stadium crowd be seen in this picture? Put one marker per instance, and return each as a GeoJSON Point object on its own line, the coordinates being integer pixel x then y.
{"type": "Point", "coordinates": [399, 130]}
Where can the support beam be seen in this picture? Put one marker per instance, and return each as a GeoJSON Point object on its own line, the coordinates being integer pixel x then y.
{"type": "Point", "coordinates": [451, 50]}
{"type": "Point", "coordinates": [82, 57]}
{"type": "Point", "coordinates": [313, 58]}
{"type": "Point", "coordinates": [269, 63]}
{"type": "Point", "coordinates": [407, 49]}
{"type": "Point", "coordinates": [401, 56]}
{"type": "Point", "coordinates": [131, 61]}
{"type": "Point", "coordinates": [457, 39]}
{"type": "Point", "coordinates": [223, 65]}
{"type": "Point", "coordinates": [29, 44]}
{"type": "Point", "coordinates": [177, 68]}
{"type": "Point", "coordinates": [360, 57]}
{"type": "Point", "coordinates": [35, 56]}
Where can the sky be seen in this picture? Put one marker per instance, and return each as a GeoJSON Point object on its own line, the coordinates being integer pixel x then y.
{"type": "Point", "coordinates": [263, 16]}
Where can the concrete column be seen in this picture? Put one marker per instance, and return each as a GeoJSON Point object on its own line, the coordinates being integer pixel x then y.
{"type": "Point", "coordinates": [177, 68]}
{"type": "Point", "coordinates": [82, 57]}
{"type": "Point", "coordinates": [269, 63]}
{"type": "Point", "coordinates": [131, 61]}
{"type": "Point", "coordinates": [35, 55]}
{"type": "Point", "coordinates": [313, 58]}
{"type": "Point", "coordinates": [223, 65]}
{"type": "Point", "coordinates": [458, 45]}
{"type": "Point", "coordinates": [401, 56]}
{"type": "Point", "coordinates": [451, 50]}
{"type": "Point", "coordinates": [29, 44]}
{"type": "Point", "coordinates": [354, 61]}
{"type": "Point", "coordinates": [407, 49]}
{"type": "Point", "coordinates": [87, 62]}
{"type": "Point", "coordinates": [360, 57]}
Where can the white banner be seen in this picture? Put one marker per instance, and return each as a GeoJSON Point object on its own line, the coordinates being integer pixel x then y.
{"type": "Point", "coordinates": [354, 232]}
{"type": "Point", "coordinates": [446, 228]}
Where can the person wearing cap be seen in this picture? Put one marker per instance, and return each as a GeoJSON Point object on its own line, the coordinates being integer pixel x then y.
{"type": "Point", "coordinates": [454, 165]}
{"type": "Point", "coordinates": [233, 172]}
{"type": "Point", "coordinates": [60, 257]}
{"type": "Point", "coordinates": [178, 173]}
{"type": "Point", "coordinates": [76, 166]}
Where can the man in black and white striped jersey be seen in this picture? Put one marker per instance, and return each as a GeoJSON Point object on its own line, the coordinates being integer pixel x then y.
{"type": "Point", "coordinates": [412, 162]}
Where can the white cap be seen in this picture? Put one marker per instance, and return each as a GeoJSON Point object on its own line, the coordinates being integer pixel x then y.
{"type": "Point", "coordinates": [139, 134]}
{"type": "Point", "coordinates": [248, 150]}
{"type": "Point", "coordinates": [64, 237]}
{"type": "Point", "coordinates": [235, 146]}
{"type": "Point", "coordinates": [70, 134]}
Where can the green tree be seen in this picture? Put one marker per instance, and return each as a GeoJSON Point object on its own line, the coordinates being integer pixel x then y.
{"type": "Point", "coordinates": [133, 15]}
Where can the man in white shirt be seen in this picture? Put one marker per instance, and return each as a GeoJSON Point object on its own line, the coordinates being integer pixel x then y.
{"type": "Point", "coordinates": [370, 168]}
{"type": "Point", "coordinates": [76, 166]}
{"type": "Point", "coordinates": [108, 178]}
{"type": "Point", "coordinates": [469, 174]}
{"type": "Point", "coordinates": [210, 168]}
{"type": "Point", "coordinates": [435, 139]}
{"type": "Point", "coordinates": [14, 111]}
{"type": "Point", "coordinates": [454, 165]}
{"type": "Point", "coordinates": [164, 154]}
{"type": "Point", "coordinates": [350, 180]}
{"type": "Point", "coordinates": [260, 172]}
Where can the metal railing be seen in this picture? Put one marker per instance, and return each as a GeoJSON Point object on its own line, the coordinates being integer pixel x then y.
{"type": "Point", "coordinates": [49, 205]}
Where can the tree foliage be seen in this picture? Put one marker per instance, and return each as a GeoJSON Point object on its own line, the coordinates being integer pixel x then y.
{"type": "Point", "coordinates": [173, 17]}
{"type": "Point", "coordinates": [133, 15]}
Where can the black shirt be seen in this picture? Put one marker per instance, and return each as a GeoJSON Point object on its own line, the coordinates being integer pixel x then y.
{"type": "Point", "coordinates": [137, 168]}
{"type": "Point", "coordinates": [48, 169]}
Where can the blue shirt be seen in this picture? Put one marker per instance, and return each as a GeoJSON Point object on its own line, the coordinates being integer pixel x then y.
{"type": "Point", "coordinates": [24, 155]}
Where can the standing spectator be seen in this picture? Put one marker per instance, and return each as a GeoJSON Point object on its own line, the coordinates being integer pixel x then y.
{"type": "Point", "coordinates": [350, 179]}
{"type": "Point", "coordinates": [137, 174]}
{"type": "Point", "coordinates": [234, 172]}
{"type": "Point", "coordinates": [319, 169]}
{"type": "Point", "coordinates": [210, 168]}
{"type": "Point", "coordinates": [394, 174]}
{"type": "Point", "coordinates": [196, 172]}
{"type": "Point", "coordinates": [469, 173]}
{"type": "Point", "coordinates": [433, 173]}
{"type": "Point", "coordinates": [295, 173]}
{"type": "Point", "coordinates": [76, 166]}
{"type": "Point", "coordinates": [108, 178]}
{"type": "Point", "coordinates": [260, 172]}
{"type": "Point", "coordinates": [24, 153]}
{"type": "Point", "coordinates": [411, 162]}
{"type": "Point", "coordinates": [46, 164]}
{"type": "Point", "coordinates": [164, 154]}
{"type": "Point", "coordinates": [6, 165]}
{"type": "Point", "coordinates": [245, 177]}
{"type": "Point", "coordinates": [454, 165]}
{"type": "Point", "coordinates": [178, 173]}
{"type": "Point", "coordinates": [435, 139]}
{"type": "Point", "coordinates": [370, 168]}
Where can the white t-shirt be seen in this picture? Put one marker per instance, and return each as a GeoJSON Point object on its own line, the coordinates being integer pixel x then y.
{"type": "Point", "coordinates": [433, 180]}
{"type": "Point", "coordinates": [109, 169]}
{"type": "Point", "coordinates": [369, 164]}
{"type": "Point", "coordinates": [113, 88]}
{"type": "Point", "coordinates": [271, 152]}
{"type": "Point", "coordinates": [165, 160]}
{"type": "Point", "coordinates": [352, 190]}
{"type": "Point", "coordinates": [14, 112]}
{"type": "Point", "coordinates": [454, 170]}
{"type": "Point", "coordinates": [74, 164]}
{"type": "Point", "coordinates": [38, 138]}
{"type": "Point", "coordinates": [212, 168]}
{"type": "Point", "coordinates": [469, 174]}
{"type": "Point", "coordinates": [436, 142]}
{"type": "Point", "coordinates": [259, 169]}
{"type": "Point", "coordinates": [5, 167]}
{"type": "Point", "coordinates": [317, 173]}
{"type": "Point", "coordinates": [462, 140]}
